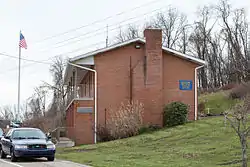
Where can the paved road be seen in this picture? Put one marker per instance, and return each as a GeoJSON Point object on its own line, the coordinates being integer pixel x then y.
{"type": "Point", "coordinates": [38, 163]}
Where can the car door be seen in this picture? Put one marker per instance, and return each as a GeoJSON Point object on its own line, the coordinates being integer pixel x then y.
{"type": "Point", "coordinates": [6, 143]}
{"type": "Point", "coordinates": [3, 141]}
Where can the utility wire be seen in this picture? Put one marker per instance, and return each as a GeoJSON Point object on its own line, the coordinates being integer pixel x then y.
{"type": "Point", "coordinates": [90, 32]}
{"type": "Point", "coordinates": [15, 57]}
{"type": "Point", "coordinates": [95, 32]}
{"type": "Point", "coordinates": [42, 61]}
{"type": "Point", "coordinates": [97, 21]}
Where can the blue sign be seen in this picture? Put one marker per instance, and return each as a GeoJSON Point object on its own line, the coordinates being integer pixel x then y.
{"type": "Point", "coordinates": [84, 109]}
{"type": "Point", "coordinates": [185, 85]}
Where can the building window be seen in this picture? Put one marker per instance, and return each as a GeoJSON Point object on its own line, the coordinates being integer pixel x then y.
{"type": "Point", "coordinates": [89, 77]}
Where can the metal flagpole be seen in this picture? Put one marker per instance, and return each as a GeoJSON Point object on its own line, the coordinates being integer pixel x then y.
{"type": "Point", "coordinates": [19, 69]}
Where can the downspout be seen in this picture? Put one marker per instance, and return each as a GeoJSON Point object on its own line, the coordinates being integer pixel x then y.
{"type": "Point", "coordinates": [195, 93]}
{"type": "Point", "coordinates": [92, 70]}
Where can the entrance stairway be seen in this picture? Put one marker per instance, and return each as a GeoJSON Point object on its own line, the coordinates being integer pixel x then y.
{"type": "Point", "coordinates": [59, 138]}
{"type": "Point", "coordinates": [65, 142]}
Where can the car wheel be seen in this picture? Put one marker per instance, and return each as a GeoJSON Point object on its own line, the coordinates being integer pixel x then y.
{"type": "Point", "coordinates": [51, 158]}
{"type": "Point", "coordinates": [13, 157]}
{"type": "Point", "coordinates": [3, 155]}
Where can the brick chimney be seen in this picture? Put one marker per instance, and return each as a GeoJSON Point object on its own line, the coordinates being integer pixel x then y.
{"type": "Point", "coordinates": [153, 76]}
{"type": "Point", "coordinates": [153, 53]}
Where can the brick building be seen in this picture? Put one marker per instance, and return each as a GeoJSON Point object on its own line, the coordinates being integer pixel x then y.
{"type": "Point", "coordinates": [138, 69]}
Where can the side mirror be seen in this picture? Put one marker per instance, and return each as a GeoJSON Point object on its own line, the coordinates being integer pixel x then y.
{"type": "Point", "coordinates": [48, 136]}
{"type": "Point", "coordinates": [6, 137]}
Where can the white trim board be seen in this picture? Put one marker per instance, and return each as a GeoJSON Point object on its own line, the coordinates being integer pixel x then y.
{"type": "Point", "coordinates": [179, 54]}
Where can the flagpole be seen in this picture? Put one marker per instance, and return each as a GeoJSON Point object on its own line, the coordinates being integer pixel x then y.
{"type": "Point", "coordinates": [19, 69]}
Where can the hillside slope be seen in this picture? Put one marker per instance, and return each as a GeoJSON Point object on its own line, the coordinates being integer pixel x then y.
{"type": "Point", "coordinates": [205, 143]}
{"type": "Point", "coordinates": [216, 103]}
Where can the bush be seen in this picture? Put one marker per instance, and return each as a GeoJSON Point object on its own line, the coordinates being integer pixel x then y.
{"type": "Point", "coordinates": [201, 107]}
{"type": "Point", "coordinates": [239, 92]}
{"type": "Point", "coordinates": [148, 129]}
{"type": "Point", "coordinates": [103, 134]}
{"type": "Point", "coordinates": [228, 86]}
{"type": "Point", "coordinates": [175, 113]}
{"type": "Point", "coordinates": [216, 103]}
{"type": "Point", "coordinates": [125, 122]}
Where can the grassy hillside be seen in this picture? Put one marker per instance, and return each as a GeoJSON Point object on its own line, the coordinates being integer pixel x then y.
{"type": "Point", "coordinates": [218, 102]}
{"type": "Point", "coordinates": [207, 143]}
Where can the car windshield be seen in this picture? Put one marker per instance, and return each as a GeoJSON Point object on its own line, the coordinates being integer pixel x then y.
{"type": "Point", "coordinates": [1, 132]}
{"type": "Point", "coordinates": [28, 134]}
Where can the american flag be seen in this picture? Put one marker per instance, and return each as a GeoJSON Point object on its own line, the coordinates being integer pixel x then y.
{"type": "Point", "coordinates": [22, 42]}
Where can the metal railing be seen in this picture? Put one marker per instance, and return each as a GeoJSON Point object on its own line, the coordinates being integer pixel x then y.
{"type": "Point", "coordinates": [56, 133]}
{"type": "Point", "coordinates": [72, 95]}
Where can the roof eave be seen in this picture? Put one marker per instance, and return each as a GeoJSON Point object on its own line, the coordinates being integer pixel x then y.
{"type": "Point", "coordinates": [185, 56]}
{"type": "Point", "coordinates": [93, 53]}
{"type": "Point", "coordinates": [107, 49]}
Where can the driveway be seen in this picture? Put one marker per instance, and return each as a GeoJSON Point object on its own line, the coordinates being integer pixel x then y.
{"type": "Point", "coordinates": [38, 163]}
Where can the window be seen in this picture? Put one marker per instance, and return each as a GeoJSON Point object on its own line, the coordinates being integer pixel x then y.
{"type": "Point", "coordinates": [85, 89]}
{"type": "Point", "coordinates": [28, 133]}
{"type": "Point", "coordinates": [9, 133]}
{"type": "Point", "coordinates": [91, 85]}
{"type": "Point", "coordinates": [89, 79]}
{"type": "Point", "coordinates": [1, 132]}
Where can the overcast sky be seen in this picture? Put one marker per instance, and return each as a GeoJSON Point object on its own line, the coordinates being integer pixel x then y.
{"type": "Point", "coordinates": [41, 19]}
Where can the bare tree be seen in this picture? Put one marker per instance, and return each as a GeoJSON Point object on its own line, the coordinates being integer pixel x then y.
{"type": "Point", "coordinates": [200, 40]}
{"type": "Point", "coordinates": [35, 106]}
{"type": "Point", "coordinates": [7, 113]}
{"type": "Point", "coordinates": [40, 94]}
{"type": "Point", "coordinates": [131, 32]}
{"type": "Point", "coordinates": [238, 118]}
{"type": "Point", "coordinates": [183, 43]}
{"type": "Point", "coordinates": [173, 25]}
{"type": "Point", "coordinates": [58, 104]}
{"type": "Point", "coordinates": [235, 31]}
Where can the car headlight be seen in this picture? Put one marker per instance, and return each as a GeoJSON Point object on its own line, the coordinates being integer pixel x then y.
{"type": "Point", "coordinates": [51, 146]}
{"type": "Point", "coordinates": [21, 146]}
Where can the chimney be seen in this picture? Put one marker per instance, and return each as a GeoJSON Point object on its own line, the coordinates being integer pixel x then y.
{"type": "Point", "coordinates": [153, 57]}
{"type": "Point", "coordinates": [153, 70]}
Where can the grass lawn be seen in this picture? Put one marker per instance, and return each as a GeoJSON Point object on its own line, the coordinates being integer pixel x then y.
{"type": "Point", "coordinates": [205, 143]}
{"type": "Point", "coordinates": [217, 102]}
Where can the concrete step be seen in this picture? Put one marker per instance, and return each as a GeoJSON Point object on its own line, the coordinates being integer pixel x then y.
{"type": "Point", "coordinates": [65, 142]}
{"type": "Point", "coordinates": [64, 139]}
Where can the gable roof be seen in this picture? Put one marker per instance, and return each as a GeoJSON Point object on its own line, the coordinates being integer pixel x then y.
{"type": "Point", "coordinates": [140, 40]}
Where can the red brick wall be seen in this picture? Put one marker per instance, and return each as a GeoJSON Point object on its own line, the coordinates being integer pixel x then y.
{"type": "Point", "coordinates": [154, 81]}
{"type": "Point", "coordinates": [176, 69]}
{"type": "Point", "coordinates": [80, 126]}
{"type": "Point", "coordinates": [84, 123]}
{"type": "Point", "coordinates": [113, 77]}
{"type": "Point", "coordinates": [154, 86]}
{"type": "Point", "coordinates": [70, 122]}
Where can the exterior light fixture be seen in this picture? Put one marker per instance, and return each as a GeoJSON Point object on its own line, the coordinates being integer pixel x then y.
{"type": "Point", "coordinates": [137, 46]}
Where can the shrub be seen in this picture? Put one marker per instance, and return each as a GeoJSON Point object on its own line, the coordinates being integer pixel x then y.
{"type": "Point", "coordinates": [216, 103]}
{"type": "Point", "coordinates": [207, 90]}
{"type": "Point", "coordinates": [228, 86]}
{"type": "Point", "coordinates": [201, 107]}
{"type": "Point", "coordinates": [125, 122]}
{"type": "Point", "coordinates": [103, 134]}
{"type": "Point", "coordinates": [175, 113]}
{"type": "Point", "coordinates": [239, 91]}
{"type": "Point", "coordinates": [148, 129]}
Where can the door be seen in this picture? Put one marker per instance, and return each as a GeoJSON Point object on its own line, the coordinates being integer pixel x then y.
{"type": "Point", "coordinates": [6, 142]}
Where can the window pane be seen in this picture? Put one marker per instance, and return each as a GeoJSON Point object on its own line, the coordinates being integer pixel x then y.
{"type": "Point", "coordinates": [1, 132]}
{"type": "Point", "coordinates": [28, 134]}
